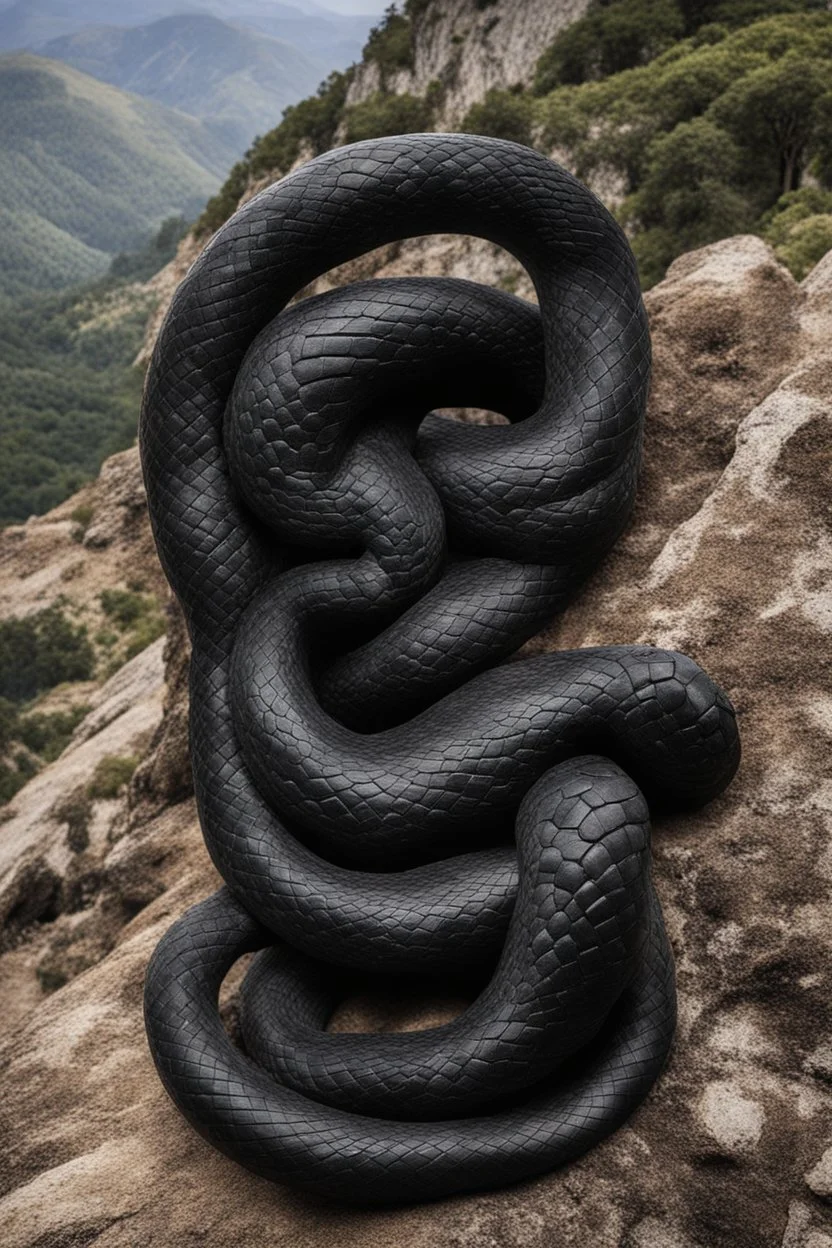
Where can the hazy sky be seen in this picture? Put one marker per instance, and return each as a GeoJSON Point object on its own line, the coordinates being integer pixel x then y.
{"type": "Point", "coordinates": [356, 6]}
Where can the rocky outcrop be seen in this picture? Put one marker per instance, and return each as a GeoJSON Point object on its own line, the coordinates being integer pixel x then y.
{"type": "Point", "coordinates": [58, 913]}
{"type": "Point", "coordinates": [729, 558]}
{"type": "Point", "coordinates": [161, 287]}
{"type": "Point", "coordinates": [468, 47]}
{"type": "Point", "coordinates": [93, 541]}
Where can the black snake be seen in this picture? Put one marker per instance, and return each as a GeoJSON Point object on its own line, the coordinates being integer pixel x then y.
{"type": "Point", "coordinates": [378, 790]}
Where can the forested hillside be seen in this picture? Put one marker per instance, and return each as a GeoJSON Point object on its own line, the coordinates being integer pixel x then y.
{"type": "Point", "coordinates": [70, 394]}
{"type": "Point", "coordinates": [70, 389]}
{"type": "Point", "coordinates": [87, 171]}
{"type": "Point", "coordinates": [237, 79]}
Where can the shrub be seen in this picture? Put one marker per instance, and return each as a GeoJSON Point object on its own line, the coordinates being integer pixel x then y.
{"type": "Point", "coordinates": [27, 766]}
{"type": "Point", "coordinates": [8, 723]}
{"type": "Point", "coordinates": [75, 811]}
{"type": "Point", "coordinates": [111, 774]}
{"type": "Point", "coordinates": [81, 517]}
{"type": "Point", "coordinates": [122, 606]}
{"type": "Point", "coordinates": [809, 241]}
{"type": "Point", "coordinates": [390, 44]}
{"type": "Point", "coordinates": [146, 631]}
{"type": "Point", "coordinates": [503, 115]}
{"type": "Point", "coordinates": [49, 734]}
{"type": "Point", "coordinates": [40, 651]}
{"type": "Point", "coordinates": [11, 780]}
{"type": "Point", "coordinates": [799, 228]}
{"type": "Point", "coordinates": [134, 613]}
{"type": "Point", "coordinates": [383, 114]}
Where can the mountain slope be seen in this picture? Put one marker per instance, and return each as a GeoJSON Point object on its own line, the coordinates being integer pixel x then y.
{"type": "Point", "coordinates": [239, 80]}
{"type": "Point", "coordinates": [30, 23]}
{"type": "Point", "coordinates": [86, 170]}
{"type": "Point", "coordinates": [335, 38]}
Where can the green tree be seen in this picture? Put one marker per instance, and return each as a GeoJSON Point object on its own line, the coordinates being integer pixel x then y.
{"type": "Point", "coordinates": [137, 266]}
{"type": "Point", "coordinates": [687, 197]}
{"type": "Point", "coordinates": [774, 112]}
{"type": "Point", "coordinates": [390, 44]}
{"type": "Point", "coordinates": [503, 115]}
{"type": "Point", "coordinates": [799, 228]}
{"type": "Point", "coordinates": [608, 39]}
{"type": "Point", "coordinates": [383, 114]}
{"type": "Point", "coordinates": [40, 651]}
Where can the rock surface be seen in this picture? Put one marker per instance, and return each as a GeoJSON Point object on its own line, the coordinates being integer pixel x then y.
{"type": "Point", "coordinates": [468, 47]}
{"type": "Point", "coordinates": [92, 541]}
{"type": "Point", "coordinates": [729, 558]}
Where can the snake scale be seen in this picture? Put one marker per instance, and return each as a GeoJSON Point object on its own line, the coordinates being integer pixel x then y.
{"type": "Point", "coordinates": [382, 786]}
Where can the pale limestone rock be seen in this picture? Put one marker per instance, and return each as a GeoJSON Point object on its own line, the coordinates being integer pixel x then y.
{"type": "Point", "coordinates": [819, 1178]}
{"type": "Point", "coordinates": [819, 1062]}
{"type": "Point", "coordinates": [470, 48]}
{"type": "Point", "coordinates": [734, 1121]}
{"type": "Point", "coordinates": [654, 1233]}
{"type": "Point", "coordinates": [122, 496]}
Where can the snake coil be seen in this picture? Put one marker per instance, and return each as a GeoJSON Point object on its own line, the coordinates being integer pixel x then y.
{"type": "Point", "coordinates": [380, 791]}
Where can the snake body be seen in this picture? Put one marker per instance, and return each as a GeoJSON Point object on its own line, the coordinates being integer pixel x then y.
{"type": "Point", "coordinates": [380, 789]}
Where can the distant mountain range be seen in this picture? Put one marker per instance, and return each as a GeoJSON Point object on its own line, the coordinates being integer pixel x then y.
{"type": "Point", "coordinates": [335, 39]}
{"type": "Point", "coordinates": [239, 80]}
{"type": "Point", "coordinates": [86, 170]}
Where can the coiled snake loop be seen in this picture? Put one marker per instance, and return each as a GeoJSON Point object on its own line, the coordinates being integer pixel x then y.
{"type": "Point", "coordinates": [354, 570]}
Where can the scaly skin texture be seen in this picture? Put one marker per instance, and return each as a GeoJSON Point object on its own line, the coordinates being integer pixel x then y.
{"type": "Point", "coordinates": [378, 788]}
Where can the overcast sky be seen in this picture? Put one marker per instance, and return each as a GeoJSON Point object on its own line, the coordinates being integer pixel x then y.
{"type": "Point", "coordinates": [356, 6]}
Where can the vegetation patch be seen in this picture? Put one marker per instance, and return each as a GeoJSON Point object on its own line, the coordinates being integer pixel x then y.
{"type": "Point", "coordinates": [70, 392]}
{"type": "Point", "coordinates": [37, 653]}
{"type": "Point", "coordinates": [81, 518]}
{"type": "Point", "coordinates": [76, 812]}
{"type": "Point", "coordinates": [383, 114]}
{"type": "Point", "coordinates": [623, 34]}
{"type": "Point", "coordinates": [40, 651]}
{"type": "Point", "coordinates": [48, 734]}
{"type": "Point", "coordinates": [84, 168]}
{"type": "Point", "coordinates": [111, 774]}
{"type": "Point", "coordinates": [702, 117]}
{"type": "Point", "coordinates": [140, 265]}
{"type": "Point", "coordinates": [707, 136]}
{"type": "Point", "coordinates": [390, 44]}
{"type": "Point", "coordinates": [137, 617]}
{"type": "Point", "coordinates": [799, 228]}
{"type": "Point", "coordinates": [503, 115]}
